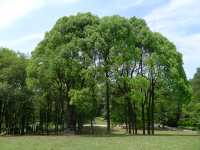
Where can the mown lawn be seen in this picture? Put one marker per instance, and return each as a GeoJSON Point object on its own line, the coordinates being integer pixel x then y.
{"type": "Point", "coordinates": [114, 142]}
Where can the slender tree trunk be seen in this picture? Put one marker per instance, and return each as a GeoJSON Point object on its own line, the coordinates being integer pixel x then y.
{"type": "Point", "coordinates": [56, 124]}
{"type": "Point", "coordinates": [27, 129]}
{"type": "Point", "coordinates": [62, 119]}
{"type": "Point", "coordinates": [92, 126]}
{"type": "Point", "coordinates": [22, 125]}
{"type": "Point", "coordinates": [126, 122]}
{"type": "Point", "coordinates": [149, 114]}
{"type": "Point", "coordinates": [41, 122]}
{"type": "Point", "coordinates": [135, 118]}
{"type": "Point", "coordinates": [130, 117]}
{"type": "Point", "coordinates": [152, 108]}
{"type": "Point", "coordinates": [143, 119]}
{"type": "Point", "coordinates": [133, 124]}
{"type": "Point", "coordinates": [46, 118]}
{"type": "Point", "coordinates": [33, 125]}
{"type": "Point", "coordinates": [178, 113]}
{"type": "Point", "coordinates": [126, 117]}
{"type": "Point", "coordinates": [73, 119]}
{"type": "Point", "coordinates": [1, 116]}
{"type": "Point", "coordinates": [69, 114]}
{"type": "Point", "coordinates": [107, 103]}
{"type": "Point", "coordinates": [62, 108]}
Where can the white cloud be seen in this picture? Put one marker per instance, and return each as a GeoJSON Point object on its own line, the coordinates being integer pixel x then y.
{"type": "Point", "coordinates": [176, 14]}
{"type": "Point", "coordinates": [11, 10]}
{"type": "Point", "coordinates": [175, 20]}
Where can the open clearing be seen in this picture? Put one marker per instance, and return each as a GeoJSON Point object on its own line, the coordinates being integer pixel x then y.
{"type": "Point", "coordinates": [113, 142]}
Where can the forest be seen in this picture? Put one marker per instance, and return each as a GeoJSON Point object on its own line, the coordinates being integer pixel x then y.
{"type": "Point", "coordinates": [87, 67]}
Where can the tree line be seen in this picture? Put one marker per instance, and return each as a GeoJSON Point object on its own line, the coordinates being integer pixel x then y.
{"type": "Point", "coordinates": [87, 66]}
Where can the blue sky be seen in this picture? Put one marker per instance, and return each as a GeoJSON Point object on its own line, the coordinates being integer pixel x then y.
{"type": "Point", "coordinates": [24, 22]}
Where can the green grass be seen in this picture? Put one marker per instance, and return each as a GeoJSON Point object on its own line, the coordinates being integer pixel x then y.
{"type": "Point", "coordinates": [113, 142]}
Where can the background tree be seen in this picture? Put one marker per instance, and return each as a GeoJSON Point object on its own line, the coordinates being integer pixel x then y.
{"type": "Point", "coordinates": [17, 109]}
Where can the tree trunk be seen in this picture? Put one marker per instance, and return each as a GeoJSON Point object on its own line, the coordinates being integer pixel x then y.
{"type": "Point", "coordinates": [149, 114]}
{"type": "Point", "coordinates": [135, 119]}
{"type": "Point", "coordinates": [178, 113]}
{"type": "Point", "coordinates": [126, 118]}
{"type": "Point", "coordinates": [22, 125]}
{"type": "Point", "coordinates": [132, 118]}
{"type": "Point", "coordinates": [92, 126]}
{"type": "Point", "coordinates": [62, 108]}
{"type": "Point", "coordinates": [107, 103]}
{"type": "Point", "coordinates": [1, 116]}
{"type": "Point", "coordinates": [143, 119]}
{"type": "Point", "coordinates": [46, 116]}
{"type": "Point", "coordinates": [152, 108]}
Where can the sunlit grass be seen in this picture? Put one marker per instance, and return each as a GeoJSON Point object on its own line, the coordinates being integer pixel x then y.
{"type": "Point", "coordinates": [113, 142]}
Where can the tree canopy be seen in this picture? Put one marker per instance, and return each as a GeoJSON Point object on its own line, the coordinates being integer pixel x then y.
{"type": "Point", "coordinates": [88, 66]}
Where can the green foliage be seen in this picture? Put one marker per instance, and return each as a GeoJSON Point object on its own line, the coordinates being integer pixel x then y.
{"type": "Point", "coordinates": [88, 66]}
{"type": "Point", "coordinates": [16, 104]}
{"type": "Point", "coordinates": [192, 110]}
{"type": "Point", "coordinates": [85, 101]}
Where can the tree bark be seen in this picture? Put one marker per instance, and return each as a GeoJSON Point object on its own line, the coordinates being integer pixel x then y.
{"type": "Point", "coordinates": [143, 119]}
{"type": "Point", "coordinates": [152, 108]}
{"type": "Point", "coordinates": [149, 114]}
{"type": "Point", "coordinates": [107, 103]}
{"type": "Point", "coordinates": [92, 126]}
{"type": "Point", "coordinates": [135, 119]}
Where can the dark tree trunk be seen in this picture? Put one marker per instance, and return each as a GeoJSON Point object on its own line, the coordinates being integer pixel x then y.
{"type": "Point", "coordinates": [152, 108]}
{"type": "Point", "coordinates": [126, 123]}
{"type": "Point", "coordinates": [62, 109]}
{"type": "Point", "coordinates": [149, 114]}
{"type": "Point", "coordinates": [41, 123]}
{"type": "Point", "coordinates": [56, 117]}
{"type": "Point", "coordinates": [107, 103]}
{"type": "Point", "coordinates": [130, 116]}
{"type": "Point", "coordinates": [143, 119]}
{"type": "Point", "coordinates": [126, 117]}
{"type": "Point", "coordinates": [92, 126]}
{"type": "Point", "coordinates": [70, 115]}
{"type": "Point", "coordinates": [178, 113]}
{"type": "Point", "coordinates": [22, 125]}
{"type": "Point", "coordinates": [135, 119]}
{"type": "Point", "coordinates": [73, 119]}
{"type": "Point", "coordinates": [46, 123]}
{"type": "Point", "coordinates": [1, 114]}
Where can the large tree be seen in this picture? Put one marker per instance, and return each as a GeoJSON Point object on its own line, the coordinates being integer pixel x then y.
{"type": "Point", "coordinates": [61, 57]}
{"type": "Point", "coordinates": [88, 66]}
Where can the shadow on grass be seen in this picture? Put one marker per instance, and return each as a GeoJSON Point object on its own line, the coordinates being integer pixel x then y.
{"type": "Point", "coordinates": [101, 132]}
{"type": "Point", "coordinates": [111, 135]}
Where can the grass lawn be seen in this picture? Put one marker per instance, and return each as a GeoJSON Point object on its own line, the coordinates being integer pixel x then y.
{"type": "Point", "coordinates": [113, 142]}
